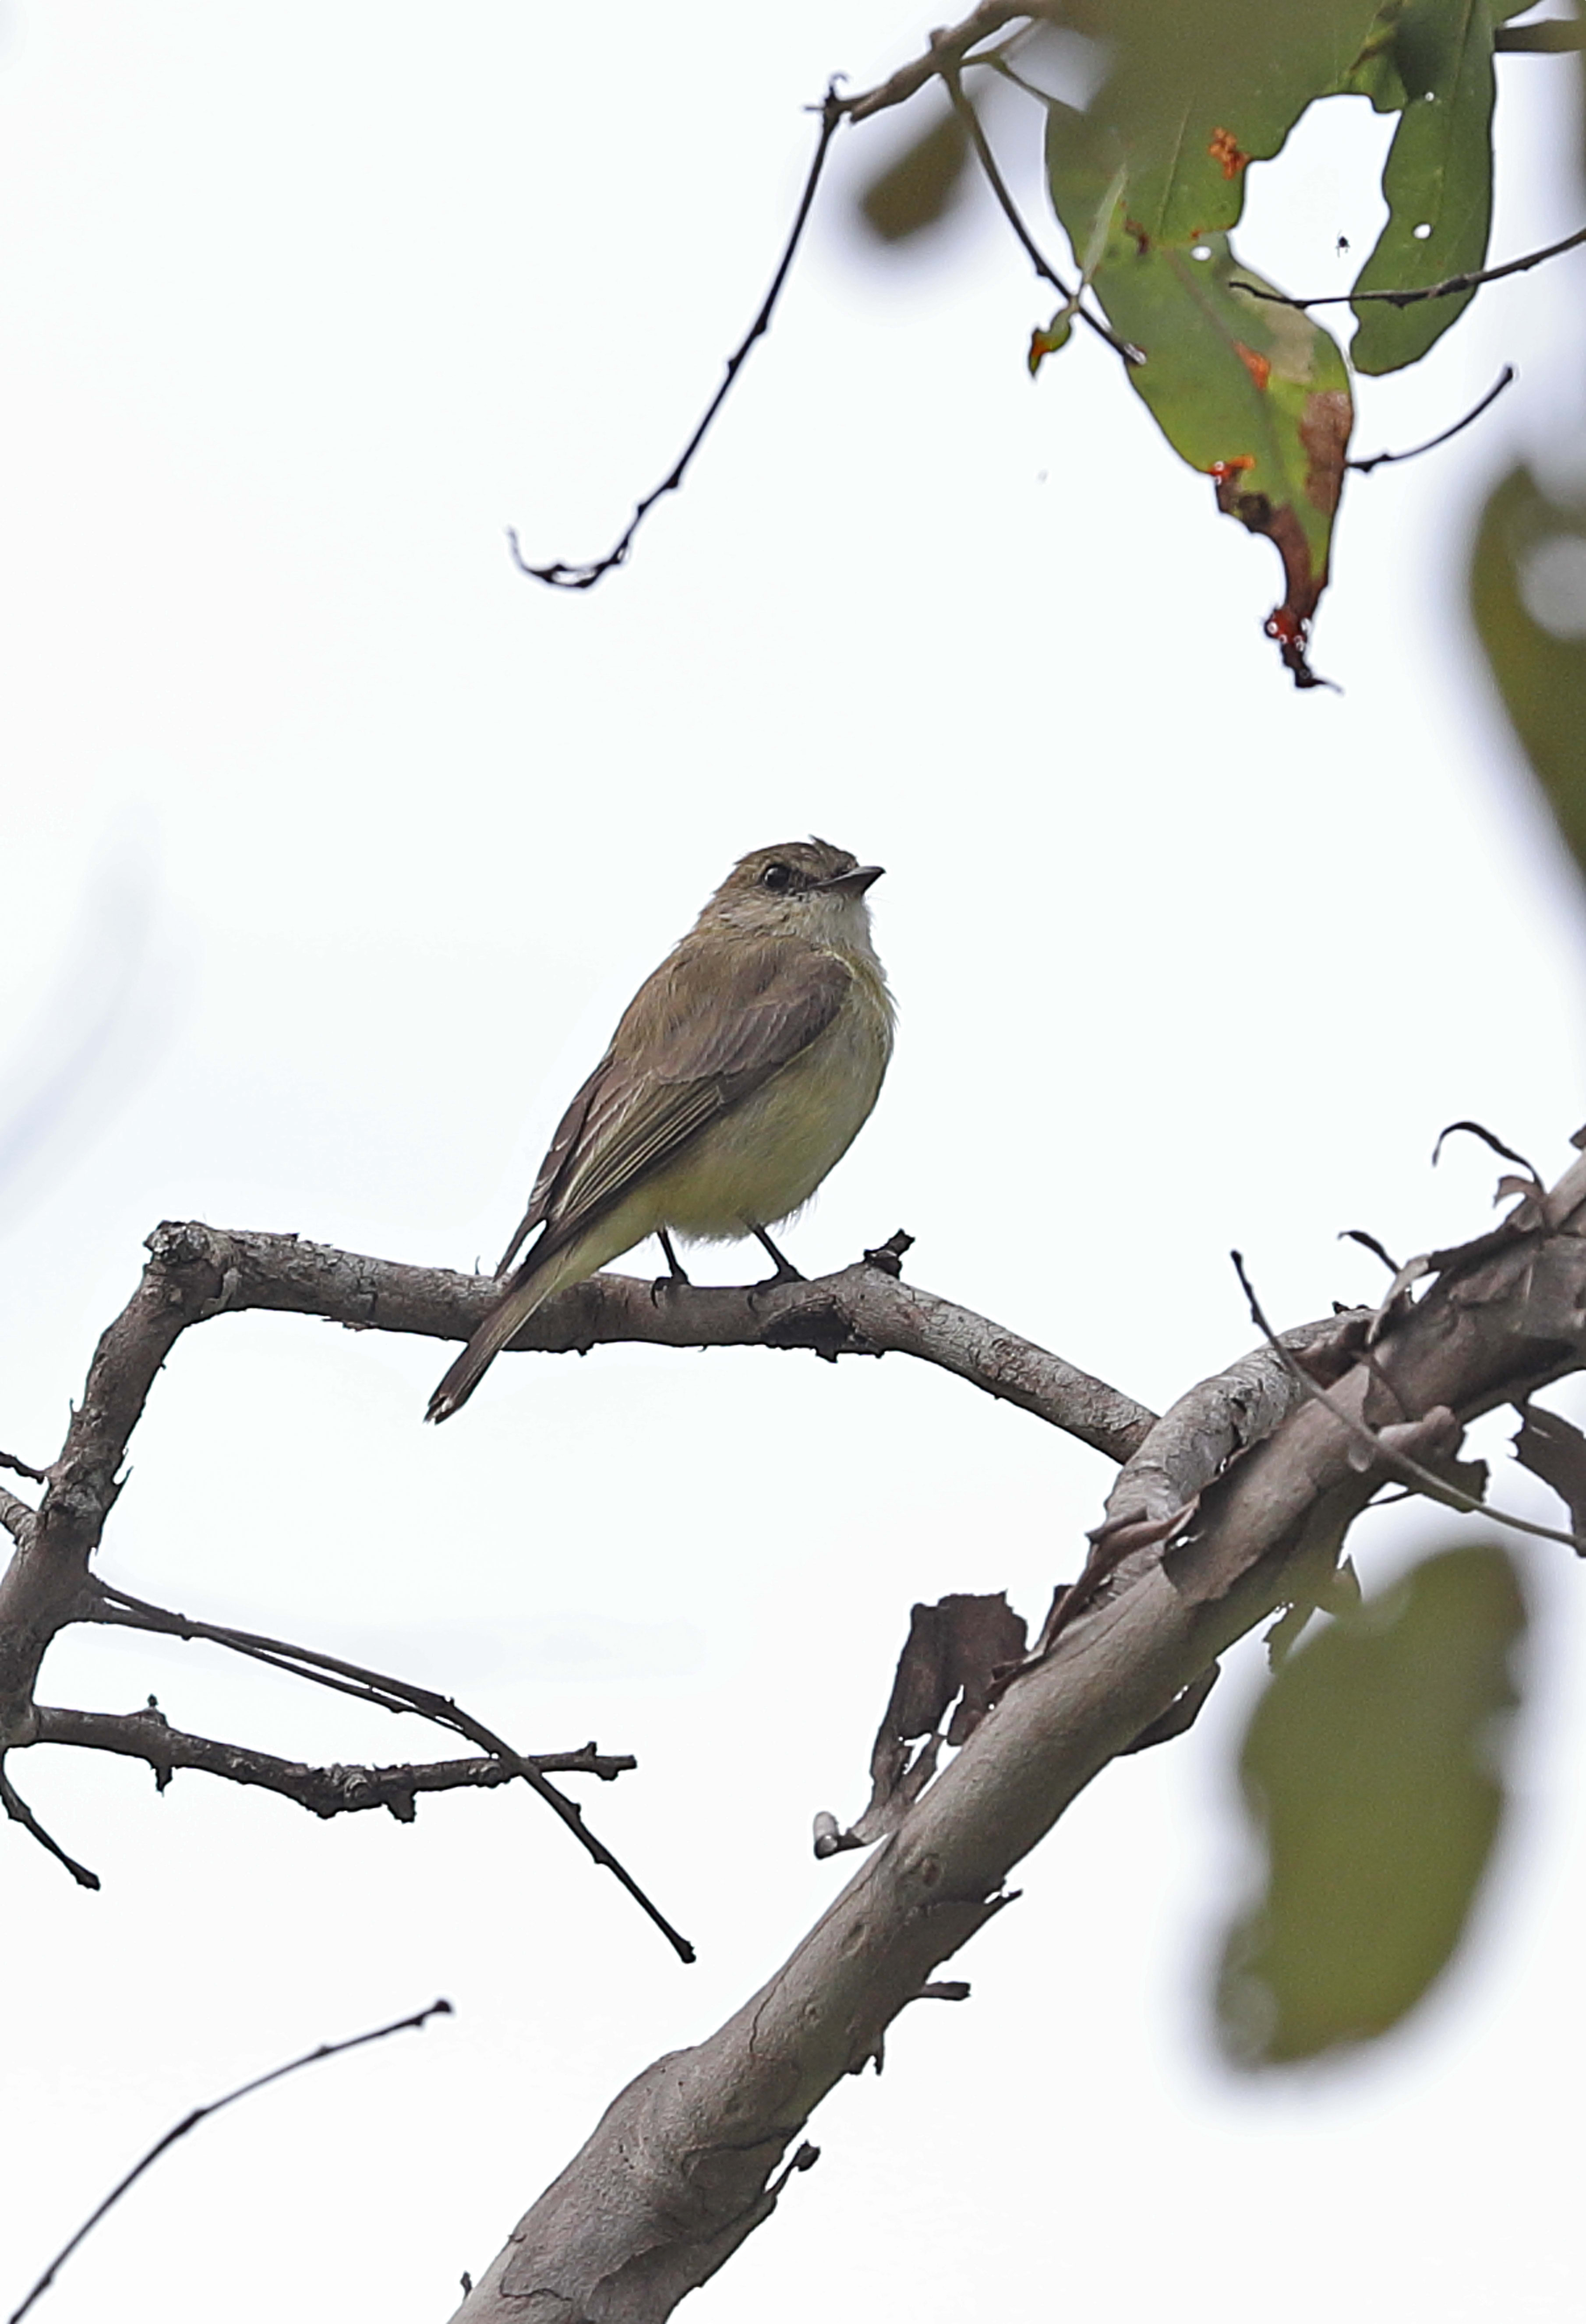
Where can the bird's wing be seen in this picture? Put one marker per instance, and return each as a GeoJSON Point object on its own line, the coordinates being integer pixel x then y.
{"type": "Point", "coordinates": [555, 1162]}
{"type": "Point", "coordinates": [679, 1059]}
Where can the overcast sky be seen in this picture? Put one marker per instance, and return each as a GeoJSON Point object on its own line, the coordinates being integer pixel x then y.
{"type": "Point", "coordinates": [332, 848]}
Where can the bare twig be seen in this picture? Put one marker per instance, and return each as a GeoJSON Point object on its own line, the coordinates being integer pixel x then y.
{"type": "Point", "coordinates": [948, 48]}
{"type": "Point", "coordinates": [1009, 209]}
{"type": "Point", "coordinates": [558, 576]}
{"type": "Point", "coordinates": [199, 2114]}
{"type": "Point", "coordinates": [337, 1790]}
{"type": "Point", "coordinates": [18, 1810]}
{"type": "Point", "coordinates": [388, 1694]}
{"type": "Point", "coordinates": [1447, 289]}
{"type": "Point", "coordinates": [20, 1469]}
{"type": "Point", "coordinates": [1372, 1441]}
{"type": "Point", "coordinates": [1381, 459]}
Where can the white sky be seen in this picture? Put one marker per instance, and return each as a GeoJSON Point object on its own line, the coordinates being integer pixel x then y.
{"type": "Point", "coordinates": [335, 847]}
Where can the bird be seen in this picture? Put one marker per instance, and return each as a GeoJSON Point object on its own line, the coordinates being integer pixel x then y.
{"type": "Point", "coordinates": [741, 1071]}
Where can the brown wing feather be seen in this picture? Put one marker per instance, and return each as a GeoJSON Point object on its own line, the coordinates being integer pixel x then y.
{"type": "Point", "coordinates": [678, 1059]}
{"type": "Point", "coordinates": [550, 1170]}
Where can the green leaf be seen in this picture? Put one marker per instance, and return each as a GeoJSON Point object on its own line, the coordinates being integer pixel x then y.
{"type": "Point", "coordinates": [1200, 89]}
{"type": "Point", "coordinates": [1437, 181]}
{"type": "Point", "coordinates": [917, 189]}
{"type": "Point", "coordinates": [1254, 394]}
{"type": "Point", "coordinates": [1369, 1772]}
{"type": "Point", "coordinates": [1528, 595]}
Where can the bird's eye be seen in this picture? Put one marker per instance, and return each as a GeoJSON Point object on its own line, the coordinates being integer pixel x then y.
{"type": "Point", "coordinates": [776, 875]}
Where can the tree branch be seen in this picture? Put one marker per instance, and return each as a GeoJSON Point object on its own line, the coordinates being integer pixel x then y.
{"type": "Point", "coordinates": [197, 1272]}
{"type": "Point", "coordinates": [949, 48]}
{"type": "Point", "coordinates": [199, 2114]}
{"type": "Point", "coordinates": [387, 1693]}
{"type": "Point", "coordinates": [1447, 289]}
{"type": "Point", "coordinates": [1010, 208]}
{"type": "Point", "coordinates": [147, 1735]}
{"type": "Point", "coordinates": [680, 2170]}
{"type": "Point", "coordinates": [558, 576]}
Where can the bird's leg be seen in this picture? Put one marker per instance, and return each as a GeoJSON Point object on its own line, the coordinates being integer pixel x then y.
{"type": "Point", "coordinates": [675, 1274]}
{"type": "Point", "coordinates": [786, 1271]}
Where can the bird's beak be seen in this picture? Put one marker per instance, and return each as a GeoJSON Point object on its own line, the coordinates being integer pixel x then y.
{"type": "Point", "coordinates": [854, 882]}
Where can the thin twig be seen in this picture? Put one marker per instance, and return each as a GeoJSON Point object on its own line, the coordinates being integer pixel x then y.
{"type": "Point", "coordinates": [1426, 1481]}
{"type": "Point", "coordinates": [1009, 209]}
{"type": "Point", "coordinates": [199, 2114]}
{"type": "Point", "coordinates": [18, 1810]}
{"type": "Point", "coordinates": [20, 1469]}
{"type": "Point", "coordinates": [323, 1791]}
{"type": "Point", "coordinates": [1449, 290]}
{"type": "Point", "coordinates": [387, 1693]}
{"type": "Point", "coordinates": [1381, 459]}
{"type": "Point", "coordinates": [585, 576]}
{"type": "Point", "coordinates": [948, 47]}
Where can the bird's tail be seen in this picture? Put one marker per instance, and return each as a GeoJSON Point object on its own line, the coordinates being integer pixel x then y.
{"type": "Point", "coordinates": [530, 1290]}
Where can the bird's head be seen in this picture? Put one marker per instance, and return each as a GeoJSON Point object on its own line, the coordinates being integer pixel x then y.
{"type": "Point", "coordinates": [806, 887]}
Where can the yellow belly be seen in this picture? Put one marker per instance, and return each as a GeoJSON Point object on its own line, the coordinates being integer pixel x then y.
{"type": "Point", "coordinates": [758, 1163]}
{"type": "Point", "coordinates": [765, 1160]}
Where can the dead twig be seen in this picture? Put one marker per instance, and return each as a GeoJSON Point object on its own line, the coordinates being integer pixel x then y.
{"type": "Point", "coordinates": [18, 1810]}
{"type": "Point", "coordinates": [200, 2114]}
{"type": "Point", "coordinates": [325, 1791]}
{"type": "Point", "coordinates": [1450, 288]}
{"type": "Point", "coordinates": [377, 1687]}
{"type": "Point", "coordinates": [1374, 1444]}
{"type": "Point", "coordinates": [558, 576]}
{"type": "Point", "coordinates": [1381, 459]}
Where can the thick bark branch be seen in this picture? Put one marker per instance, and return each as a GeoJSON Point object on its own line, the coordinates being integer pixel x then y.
{"type": "Point", "coordinates": [196, 1272]}
{"type": "Point", "coordinates": [679, 2171]}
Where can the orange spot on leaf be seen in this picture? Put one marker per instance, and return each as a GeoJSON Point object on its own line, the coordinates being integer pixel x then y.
{"type": "Point", "coordinates": [1259, 369]}
{"type": "Point", "coordinates": [1227, 153]}
{"type": "Point", "coordinates": [1220, 470]}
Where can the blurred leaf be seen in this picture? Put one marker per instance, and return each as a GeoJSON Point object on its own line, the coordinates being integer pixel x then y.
{"type": "Point", "coordinates": [918, 188]}
{"type": "Point", "coordinates": [1528, 595]}
{"type": "Point", "coordinates": [1202, 87]}
{"type": "Point", "coordinates": [1370, 1772]}
{"type": "Point", "coordinates": [1437, 181]}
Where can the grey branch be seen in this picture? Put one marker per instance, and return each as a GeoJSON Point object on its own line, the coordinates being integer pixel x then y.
{"type": "Point", "coordinates": [682, 2167]}
{"type": "Point", "coordinates": [949, 48]}
{"type": "Point", "coordinates": [195, 1273]}
{"type": "Point", "coordinates": [147, 1735]}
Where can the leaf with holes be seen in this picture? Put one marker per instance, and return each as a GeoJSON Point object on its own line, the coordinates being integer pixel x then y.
{"type": "Point", "coordinates": [1437, 181]}
{"type": "Point", "coordinates": [1199, 90]}
{"type": "Point", "coordinates": [1371, 1774]}
{"type": "Point", "coordinates": [1528, 595]}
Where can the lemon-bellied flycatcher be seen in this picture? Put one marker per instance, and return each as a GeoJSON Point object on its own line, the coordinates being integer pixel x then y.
{"type": "Point", "coordinates": [741, 1071]}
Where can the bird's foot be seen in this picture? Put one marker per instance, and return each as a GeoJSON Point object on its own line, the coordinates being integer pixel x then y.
{"type": "Point", "coordinates": [674, 1275]}
{"type": "Point", "coordinates": [786, 1271]}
